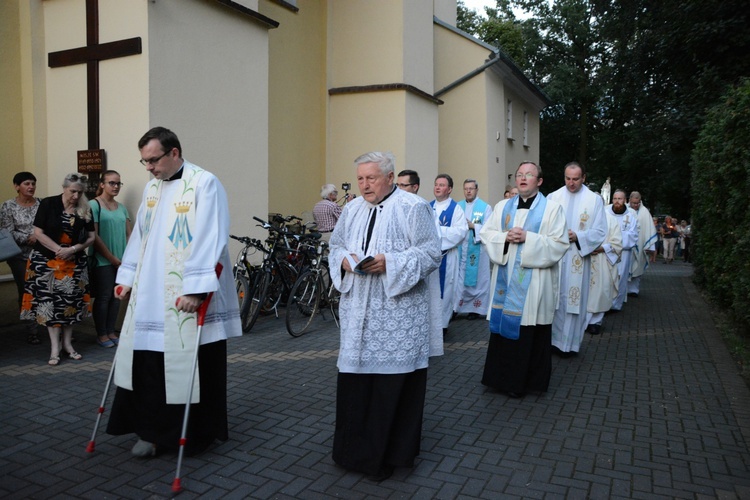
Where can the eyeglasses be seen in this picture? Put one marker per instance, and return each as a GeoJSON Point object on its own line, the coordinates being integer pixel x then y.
{"type": "Point", "coordinates": [402, 185]}
{"type": "Point", "coordinates": [115, 184]}
{"type": "Point", "coordinates": [153, 161]}
{"type": "Point", "coordinates": [527, 175]}
{"type": "Point", "coordinates": [77, 178]}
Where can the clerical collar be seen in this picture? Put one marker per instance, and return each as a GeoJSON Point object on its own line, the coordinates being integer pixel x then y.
{"type": "Point", "coordinates": [386, 197]}
{"type": "Point", "coordinates": [178, 174]}
{"type": "Point", "coordinates": [527, 203]}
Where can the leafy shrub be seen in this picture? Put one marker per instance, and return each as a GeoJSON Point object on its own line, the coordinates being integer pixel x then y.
{"type": "Point", "coordinates": [721, 197]}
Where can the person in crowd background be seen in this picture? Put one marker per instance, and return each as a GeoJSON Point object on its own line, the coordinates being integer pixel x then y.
{"type": "Point", "coordinates": [646, 243]}
{"type": "Point", "coordinates": [17, 216]}
{"type": "Point", "coordinates": [327, 211]}
{"type": "Point", "coordinates": [408, 180]}
{"type": "Point", "coordinates": [525, 237]}
{"type": "Point", "coordinates": [390, 320]}
{"type": "Point", "coordinates": [473, 289]}
{"type": "Point", "coordinates": [603, 283]}
{"type": "Point", "coordinates": [168, 268]}
{"type": "Point", "coordinates": [452, 228]}
{"type": "Point", "coordinates": [56, 290]}
{"type": "Point", "coordinates": [113, 226]}
{"type": "Point", "coordinates": [627, 218]}
{"type": "Point", "coordinates": [587, 230]}
{"type": "Point", "coordinates": [669, 236]}
{"type": "Point", "coordinates": [686, 234]}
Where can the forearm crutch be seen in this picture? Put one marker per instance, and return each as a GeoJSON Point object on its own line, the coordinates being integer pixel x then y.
{"type": "Point", "coordinates": [176, 486]}
{"type": "Point", "coordinates": [92, 444]}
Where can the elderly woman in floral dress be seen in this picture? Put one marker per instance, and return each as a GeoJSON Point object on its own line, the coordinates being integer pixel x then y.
{"type": "Point", "coordinates": [56, 290]}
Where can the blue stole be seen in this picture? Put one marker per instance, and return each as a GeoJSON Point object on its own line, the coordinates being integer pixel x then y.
{"type": "Point", "coordinates": [445, 220]}
{"type": "Point", "coordinates": [472, 249]}
{"type": "Point", "coordinates": [509, 298]}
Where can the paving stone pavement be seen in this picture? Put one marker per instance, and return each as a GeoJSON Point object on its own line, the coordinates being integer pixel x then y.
{"type": "Point", "coordinates": [652, 408]}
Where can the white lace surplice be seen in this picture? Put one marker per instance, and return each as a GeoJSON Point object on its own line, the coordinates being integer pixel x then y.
{"type": "Point", "coordinates": [390, 323]}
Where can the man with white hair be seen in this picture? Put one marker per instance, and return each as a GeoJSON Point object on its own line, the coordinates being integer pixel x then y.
{"type": "Point", "coordinates": [384, 252]}
{"type": "Point", "coordinates": [327, 212]}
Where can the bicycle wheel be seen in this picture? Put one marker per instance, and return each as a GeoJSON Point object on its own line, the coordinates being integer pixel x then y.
{"type": "Point", "coordinates": [242, 286]}
{"type": "Point", "coordinates": [253, 304]}
{"type": "Point", "coordinates": [303, 304]}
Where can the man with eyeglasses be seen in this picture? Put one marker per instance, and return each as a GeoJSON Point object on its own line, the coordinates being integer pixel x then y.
{"type": "Point", "coordinates": [452, 228]}
{"type": "Point", "coordinates": [587, 230]}
{"type": "Point", "coordinates": [474, 266]}
{"type": "Point", "coordinates": [408, 180]}
{"type": "Point", "coordinates": [525, 238]}
{"type": "Point", "coordinates": [169, 267]}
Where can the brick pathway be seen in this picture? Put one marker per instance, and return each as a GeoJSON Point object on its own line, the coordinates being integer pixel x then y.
{"type": "Point", "coordinates": [653, 408]}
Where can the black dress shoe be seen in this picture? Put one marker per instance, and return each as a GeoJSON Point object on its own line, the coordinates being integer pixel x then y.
{"type": "Point", "coordinates": [472, 316]}
{"type": "Point", "coordinates": [594, 329]}
{"type": "Point", "coordinates": [633, 294]}
{"type": "Point", "coordinates": [516, 395]}
{"type": "Point", "coordinates": [385, 472]}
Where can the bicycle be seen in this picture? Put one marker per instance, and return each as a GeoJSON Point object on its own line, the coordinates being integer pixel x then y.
{"type": "Point", "coordinates": [245, 275]}
{"type": "Point", "coordinates": [312, 292]}
{"type": "Point", "coordinates": [275, 277]}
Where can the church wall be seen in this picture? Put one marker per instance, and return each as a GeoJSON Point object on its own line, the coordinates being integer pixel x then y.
{"type": "Point", "coordinates": [366, 42]}
{"type": "Point", "coordinates": [33, 88]}
{"type": "Point", "coordinates": [297, 106]}
{"type": "Point", "coordinates": [208, 78]}
{"type": "Point", "coordinates": [468, 148]}
{"type": "Point", "coordinates": [123, 94]}
{"type": "Point", "coordinates": [446, 10]}
{"type": "Point", "coordinates": [418, 45]}
{"type": "Point", "coordinates": [11, 110]}
{"type": "Point", "coordinates": [422, 142]}
{"type": "Point", "coordinates": [360, 123]}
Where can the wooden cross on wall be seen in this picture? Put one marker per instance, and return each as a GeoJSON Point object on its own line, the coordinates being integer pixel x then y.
{"type": "Point", "coordinates": [91, 54]}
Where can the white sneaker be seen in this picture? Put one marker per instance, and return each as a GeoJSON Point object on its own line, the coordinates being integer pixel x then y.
{"type": "Point", "coordinates": [143, 449]}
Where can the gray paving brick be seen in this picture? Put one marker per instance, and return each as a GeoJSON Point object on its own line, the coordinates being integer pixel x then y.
{"type": "Point", "coordinates": [650, 409]}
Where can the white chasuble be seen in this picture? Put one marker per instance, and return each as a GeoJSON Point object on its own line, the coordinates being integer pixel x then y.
{"type": "Point", "coordinates": [180, 234]}
{"type": "Point", "coordinates": [542, 252]}
{"type": "Point", "coordinates": [603, 281]}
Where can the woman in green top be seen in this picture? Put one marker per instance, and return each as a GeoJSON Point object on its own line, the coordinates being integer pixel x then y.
{"type": "Point", "coordinates": [113, 227]}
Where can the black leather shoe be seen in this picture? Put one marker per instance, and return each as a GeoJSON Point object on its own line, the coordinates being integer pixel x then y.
{"type": "Point", "coordinates": [386, 471]}
{"type": "Point", "coordinates": [594, 329]}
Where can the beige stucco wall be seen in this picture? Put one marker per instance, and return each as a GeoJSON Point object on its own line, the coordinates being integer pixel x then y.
{"type": "Point", "coordinates": [467, 146]}
{"type": "Point", "coordinates": [208, 82]}
{"type": "Point", "coordinates": [297, 106]}
{"type": "Point", "coordinates": [11, 110]}
{"type": "Point", "coordinates": [123, 94]}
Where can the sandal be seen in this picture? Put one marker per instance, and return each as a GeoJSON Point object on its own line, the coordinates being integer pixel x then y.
{"type": "Point", "coordinates": [53, 361]}
{"type": "Point", "coordinates": [75, 355]}
{"type": "Point", "coordinates": [105, 343]}
{"type": "Point", "coordinates": [33, 338]}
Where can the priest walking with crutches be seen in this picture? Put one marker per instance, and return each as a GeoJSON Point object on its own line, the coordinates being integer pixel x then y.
{"type": "Point", "coordinates": [168, 269]}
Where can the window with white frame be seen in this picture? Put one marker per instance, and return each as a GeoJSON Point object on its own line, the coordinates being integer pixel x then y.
{"type": "Point", "coordinates": [525, 128]}
{"type": "Point", "coordinates": [509, 120]}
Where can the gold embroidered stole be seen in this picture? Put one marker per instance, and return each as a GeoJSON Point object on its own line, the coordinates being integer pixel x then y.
{"type": "Point", "coordinates": [180, 328]}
